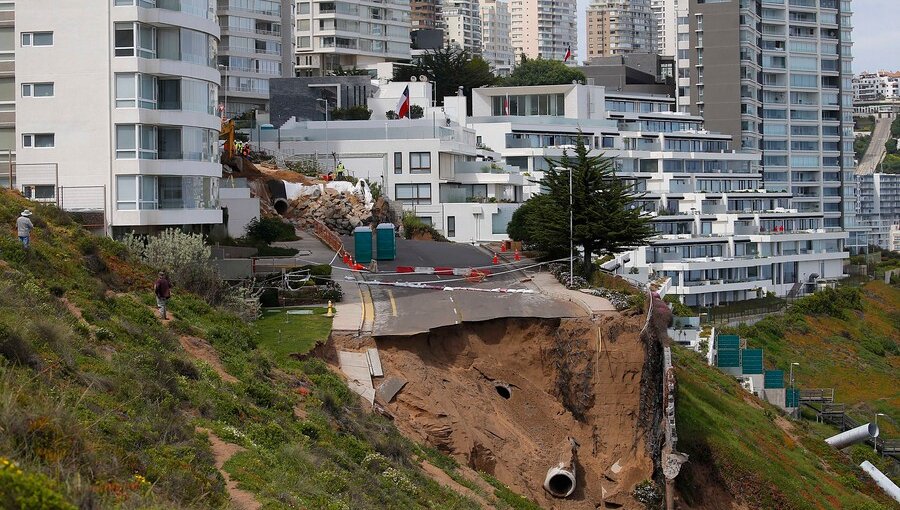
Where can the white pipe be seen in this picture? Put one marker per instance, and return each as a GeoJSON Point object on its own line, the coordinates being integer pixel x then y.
{"type": "Point", "coordinates": [560, 479]}
{"type": "Point", "coordinates": [882, 481]}
{"type": "Point", "coordinates": [859, 434]}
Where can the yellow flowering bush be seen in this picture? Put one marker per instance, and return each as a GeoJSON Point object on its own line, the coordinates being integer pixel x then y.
{"type": "Point", "coordinates": [28, 491]}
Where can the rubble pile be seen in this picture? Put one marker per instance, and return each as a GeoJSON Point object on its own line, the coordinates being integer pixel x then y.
{"type": "Point", "coordinates": [340, 211]}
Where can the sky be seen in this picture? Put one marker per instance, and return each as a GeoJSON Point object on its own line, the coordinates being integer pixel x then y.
{"type": "Point", "coordinates": [876, 34]}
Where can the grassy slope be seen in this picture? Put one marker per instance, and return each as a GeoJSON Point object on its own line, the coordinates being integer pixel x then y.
{"type": "Point", "coordinates": [735, 443]}
{"type": "Point", "coordinates": [857, 354]}
{"type": "Point", "coordinates": [103, 411]}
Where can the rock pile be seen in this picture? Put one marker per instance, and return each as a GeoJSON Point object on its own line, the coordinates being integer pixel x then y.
{"type": "Point", "coordinates": [341, 212]}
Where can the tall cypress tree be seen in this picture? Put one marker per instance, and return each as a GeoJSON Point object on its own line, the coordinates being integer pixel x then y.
{"type": "Point", "coordinates": [605, 220]}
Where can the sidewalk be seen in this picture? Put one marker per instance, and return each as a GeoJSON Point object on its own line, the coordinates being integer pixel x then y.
{"type": "Point", "coordinates": [548, 284]}
{"type": "Point", "coordinates": [349, 313]}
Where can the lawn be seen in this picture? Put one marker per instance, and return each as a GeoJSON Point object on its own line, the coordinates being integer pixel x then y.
{"type": "Point", "coordinates": [282, 333]}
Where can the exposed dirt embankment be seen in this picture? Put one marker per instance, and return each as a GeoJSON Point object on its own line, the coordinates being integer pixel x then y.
{"type": "Point", "coordinates": [503, 396]}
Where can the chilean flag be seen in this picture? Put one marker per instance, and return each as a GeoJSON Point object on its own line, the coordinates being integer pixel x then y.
{"type": "Point", "coordinates": [403, 104]}
{"type": "Point", "coordinates": [568, 53]}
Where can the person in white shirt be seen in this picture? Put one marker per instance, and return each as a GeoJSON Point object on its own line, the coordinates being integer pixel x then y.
{"type": "Point", "coordinates": [25, 226]}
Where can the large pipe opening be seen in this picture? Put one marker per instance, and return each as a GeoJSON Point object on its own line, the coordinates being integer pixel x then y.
{"type": "Point", "coordinates": [503, 390]}
{"type": "Point", "coordinates": [859, 434]}
{"type": "Point", "coordinates": [281, 205]}
{"type": "Point", "coordinates": [560, 479]}
{"type": "Point", "coordinates": [560, 482]}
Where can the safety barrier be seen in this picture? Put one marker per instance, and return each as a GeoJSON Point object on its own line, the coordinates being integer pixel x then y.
{"type": "Point", "coordinates": [327, 236]}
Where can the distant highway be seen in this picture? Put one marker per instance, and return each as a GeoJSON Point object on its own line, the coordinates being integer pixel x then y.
{"type": "Point", "coordinates": [875, 152]}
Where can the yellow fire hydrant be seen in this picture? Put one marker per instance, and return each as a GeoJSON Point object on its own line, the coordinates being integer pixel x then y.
{"type": "Point", "coordinates": [330, 312]}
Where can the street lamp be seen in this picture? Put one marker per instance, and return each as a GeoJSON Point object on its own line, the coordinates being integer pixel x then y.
{"type": "Point", "coordinates": [571, 235]}
{"type": "Point", "coordinates": [792, 373]}
{"type": "Point", "coordinates": [224, 69]}
{"type": "Point", "coordinates": [875, 440]}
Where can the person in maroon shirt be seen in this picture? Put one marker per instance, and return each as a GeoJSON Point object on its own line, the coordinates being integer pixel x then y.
{"type": "Point", "coordinates": [163, 290]}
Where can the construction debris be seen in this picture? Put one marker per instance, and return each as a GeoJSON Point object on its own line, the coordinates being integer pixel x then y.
{"type": "Point", "coordinates": [340, 211]}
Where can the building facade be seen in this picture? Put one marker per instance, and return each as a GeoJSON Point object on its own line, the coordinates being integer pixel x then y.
{"type": "Point", "coordinates": [462, 25]}
{"type": "Point", "coordinates": [425, 14]}
{"type": "Point", "coordinates": [665, 16]}
{"type": "Point", "coordinates": [541, 29]}
{"type": "Point", "coordinates": [497, 48]}
{"type": "Point", "coordinates": [876, 86]}
{"type": "Point", "coordinates": [131, 132]}
{"type": "Point", "coordinates": [358, 34]}
{"type": "Point", "coordinates": [722, 236]}
{"type": "Point", "coordinates": [620, 27]}
{"type": "Point", "coordinates": [257, 44]}
{"type": "Point", "coordinates": [7, 89]}
{"type": "Point", "coordinates": [777, 78]}
{"type": "Point", "coordinates": [879, 207]}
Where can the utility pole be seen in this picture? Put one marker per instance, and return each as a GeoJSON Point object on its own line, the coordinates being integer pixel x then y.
{"type": "Point", "coordinates": [571, 234]}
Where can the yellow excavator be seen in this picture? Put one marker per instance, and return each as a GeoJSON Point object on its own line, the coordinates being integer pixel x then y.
{"type": "Point", "coordinates": [227, 133]}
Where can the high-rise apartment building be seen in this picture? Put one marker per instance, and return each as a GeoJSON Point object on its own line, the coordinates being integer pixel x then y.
{"type": "Point", "coordinates": [777, 77]}
{"type": "Point", "coordinates": [131, 132]}
{"type": "Point", "coordinates": [7, 89]}
{"type": "Point", "coordinates": [496, 46]}
{"type": "Point", "coordinates": [620, 27]}
{"type": "Point", "coordinates": [425, 14]}
{"type": "Point", "coordinates": [462, 25]}
{"type": "Point", "coordinates": [257, 44]}
{"type": "Point", "coordinates": [544, 29]}
{"type": "Point", "coordinates": [350, 34]}
{"type": "Point", "coordinates": [879, 207]}
{"type": "Point", "coordinates": [665, 14]}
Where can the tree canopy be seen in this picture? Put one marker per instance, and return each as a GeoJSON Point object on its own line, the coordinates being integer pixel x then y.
{"type": "Point", "coordinates": [542, 72]}
{"type": "Point", "coordinates": [604, 219]}
{"type": "Point", "coordinates": [449, 68]}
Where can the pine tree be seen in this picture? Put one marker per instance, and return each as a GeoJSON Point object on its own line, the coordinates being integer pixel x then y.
{"type": "Point", "coordinates": [605, 220]}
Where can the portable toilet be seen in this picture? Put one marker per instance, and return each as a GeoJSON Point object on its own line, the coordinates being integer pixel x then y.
{"type": "Point", "coordinates": [362, 244]}
{"type": "Point", "coordinates": [386, 242]}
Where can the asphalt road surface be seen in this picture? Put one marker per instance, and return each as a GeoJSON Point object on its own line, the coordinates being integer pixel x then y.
{"type": "Point", "coordinates": [409, 311]}
{"type": "Point", "coordinates": [875, 152]}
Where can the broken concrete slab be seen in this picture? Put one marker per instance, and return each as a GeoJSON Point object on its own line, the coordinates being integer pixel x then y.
{"type": "Point", "coordinates": [390, 387]}
{"type": "Point", "coordinates": [355, 365]}
{"type": "Point", "coordinates": [374, 363]}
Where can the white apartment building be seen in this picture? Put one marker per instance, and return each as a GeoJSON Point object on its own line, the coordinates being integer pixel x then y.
{"type": "Point", "coordinates": [665, 14]}
{"type": "Point", "coordinates": [620, 27]}
{"type": "Point", "coordinates": [7, 89]}
{"type": "Point", "coordinates": [879, 207]}
{"type": "Point", "coordinates": [257, 44]}
{"type": "Point", "coordinates": [876, 86]}
{"type": "Point", "coordinates": [497, 48]}
{"type": "Point", "coordinates": [462, 25]}
{"type": "Point", "coordinates": [544, 29]}
{"type": "Point", "coordinates": [348, 34]}
{"type": "Point", "coordinates": [722, 236]}
{"type": "Point", "coordinates": [131, 131]}
{"type": "Point", "coordinates": [430, 166]}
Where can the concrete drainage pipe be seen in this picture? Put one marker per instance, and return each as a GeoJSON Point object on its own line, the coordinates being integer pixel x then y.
{"type": "Point", "coordinates": [859, 434]}
{"type": "Point", "coordinates": [560, 479]}
{"type": "Point", "coordinates": [279, 196]}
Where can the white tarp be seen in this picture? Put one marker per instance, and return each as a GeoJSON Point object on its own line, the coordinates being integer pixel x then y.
{"type": "Point", "coordinates": [361, 189]}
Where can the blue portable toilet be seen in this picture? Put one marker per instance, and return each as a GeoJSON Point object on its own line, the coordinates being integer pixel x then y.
{"type": "Point", "coordinates": [386, 242]}
{"type": "Point", "coordinates": [362, 245]}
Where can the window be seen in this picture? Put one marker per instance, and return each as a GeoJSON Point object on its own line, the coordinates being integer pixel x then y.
{"type": "Point", "coordinates": [420, 163]}
{"type": "Point", "coordinates": [40, 192]}
{"type": "Point", "coordinates": [131, 37]}
{"type": "Point", "coordinates": [37, 90]}
{"type": "Point", "coordinates": [451, 226]}
{"type": "Point", "coordinates": [37, 38]}
{"type": "Point", "coordinates": [136, 141]}
{"type": "Point", "coordinates": [398, 162]}
{"type": "Point", "coordinates": [136, 90]}
{"type": "Point", "coordinates": [39, 140]}
{"type": "Point", "coordinates": [413, 193]}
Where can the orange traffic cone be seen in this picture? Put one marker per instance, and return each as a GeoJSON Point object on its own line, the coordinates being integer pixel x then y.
{"type": "Point", "coordinates": [517, 257]}
{"type": "Point", "coordinates": [496, 259]}
{"type": "Point", "coordinates": [503, 247]}
{"type": "Point", "coordinates": [346, 259]}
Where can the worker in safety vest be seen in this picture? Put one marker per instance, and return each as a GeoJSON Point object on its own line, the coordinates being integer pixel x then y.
{"type": "Point", "coordinates": [340, 171]}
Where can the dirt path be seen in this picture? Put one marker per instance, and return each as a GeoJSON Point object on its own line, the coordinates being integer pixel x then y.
{"type": "Point", "coordinates": [200, 349]}
{"type": "Point", "coordinates": [440, 476]}
{"type": "Point", "coordinates": [223, 451]}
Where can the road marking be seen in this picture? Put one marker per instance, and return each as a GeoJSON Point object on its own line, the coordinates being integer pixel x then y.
{"type": "Point", "coordinates": [393, 303]}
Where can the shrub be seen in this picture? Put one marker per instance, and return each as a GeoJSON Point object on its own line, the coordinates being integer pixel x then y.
{"type": "Point", "coordinates": [14, 348]}
{"type": "Point", "coordinates": [648, 494]}
{"type": "Point", "coordinates": [200, 279]}
{"type": "Point", "coordinates": [678, 308]}
{"type": "Point", "coordinates": [33, 491]}
{"type": "Point", "coordinates": [269, 230]}
{"type": "Point", "coordinates": [416, 112]}
{"type": "Point", "coordinates": [415, 227]}
{"type": "Point", "coordinates": [170, 250]}
{"type": "Point", "coordinates": [358, 112]}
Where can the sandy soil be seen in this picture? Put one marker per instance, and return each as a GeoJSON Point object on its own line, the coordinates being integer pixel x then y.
{"type": "Point", "coordinates": [451, 401]}
{"type": "Point", "coordinates": [223, 451]}
{"type": "Point", "coordinates": [200, 349]}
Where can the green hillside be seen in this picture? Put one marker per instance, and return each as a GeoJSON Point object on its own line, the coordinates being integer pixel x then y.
{"type": "Point", "coordinates": [101, 407]}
